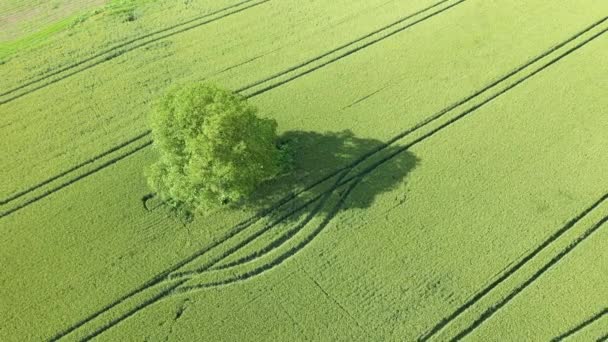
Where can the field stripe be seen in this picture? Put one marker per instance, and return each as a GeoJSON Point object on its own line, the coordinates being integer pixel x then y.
{"type": "Point", "coordinates": [113, 54]}
{"type": "Point", "coordinates": [496, 307]}
{"type": "Point", "coordinates": [348, 53]}
{"type": "Point", "coordinates": [74, 180]}
{"type": "Point", "coordinates": [349, 44]}
{"type": "Point", "coordinates": [74, 168]}
{"type": "Point", "coordinates": [323, 199]}
{"type": "Point", "coordinates": [506, 275]}
{"type": "Point", "coordinates": [581, 325]}
{"type": "Point", "coordinates": [247, 223]}
{"type": "Point", "coordinates": [243, 89]}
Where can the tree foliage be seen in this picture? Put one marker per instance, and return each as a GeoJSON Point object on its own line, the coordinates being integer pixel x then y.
{"type": "Point", "coordinates": [213, 148]}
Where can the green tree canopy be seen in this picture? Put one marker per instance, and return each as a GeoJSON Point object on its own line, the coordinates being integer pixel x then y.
{"type": "Point", "coordinates": [213, 148]}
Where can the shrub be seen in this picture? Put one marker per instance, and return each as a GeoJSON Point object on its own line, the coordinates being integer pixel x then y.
{"type": "Point", "coordinates": [214, 150]}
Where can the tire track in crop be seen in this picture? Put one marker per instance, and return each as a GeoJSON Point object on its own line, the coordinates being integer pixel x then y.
{"type": "Point", "coordinates": [581, 325]}
{"type": "Point", "coordinates": [132, 311]}
{"type": "Point", "coordinates": [74, 180]}
{"type": "Point", "coordinates": [282, 257]}
{"type": "Point", "coordinates": [115, 51]}
{"type": "Point", "coordinates": [498, 306]}
{"type": "Point", "coordinates": [347, 45]}
{"type": "Point", "coordinates": [322, 198]}
{"type": "Point", "coordinates": [512, 270]}
{"type": "Point", "coordinates": [76, 167]}
{"type": "Point", "coordinates": [250, 221]}
{"type": "Point", "coordinates": [273, 77]}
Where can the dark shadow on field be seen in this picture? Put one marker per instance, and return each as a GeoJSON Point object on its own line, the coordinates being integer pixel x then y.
{"type": "Point", "coordinates": [317, 155]}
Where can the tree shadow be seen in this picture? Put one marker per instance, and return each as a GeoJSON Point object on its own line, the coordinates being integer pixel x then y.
{"type": "Point", "coordinates": [318, 156]}
{"type": "Point", "coordinates": [324, 164]}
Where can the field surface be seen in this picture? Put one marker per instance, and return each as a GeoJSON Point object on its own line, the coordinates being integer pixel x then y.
{"type": "Point", "coordinates": [451, 180]}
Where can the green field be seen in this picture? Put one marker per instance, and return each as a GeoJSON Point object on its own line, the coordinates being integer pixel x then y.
{"type": "Point", "coordinates": [451, 177]}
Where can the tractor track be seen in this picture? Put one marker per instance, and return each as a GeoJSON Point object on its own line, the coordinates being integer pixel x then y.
{"type": "Point", "coordinates": [74, 180]}
{"type": "Point", "coordinates": [76, 167]}
{"type": "Point", "coordinates": [346, 45]}
{"type": "Point", "coordinates": [512, 270]}
{"type": "Point", "coordinates": [498, 306]}
{"type": "Point", "coordinates": [132, 311]}
{"type": "Point", "coordinates": [115, 51]}
{"type": "Point", "coordinates": [323, 197]}
{"type": "Point", "coordinates": [282, 257]}
{"type": "Point", "coordinates": [249, 222]}
{"type": "Point", "coordinates": [241, 90]}
{"type": "Point", "coordinates": [581, 325]}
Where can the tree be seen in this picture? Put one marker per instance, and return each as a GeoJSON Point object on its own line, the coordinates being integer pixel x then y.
{"type": "Point", "coordinates": [213, 148]}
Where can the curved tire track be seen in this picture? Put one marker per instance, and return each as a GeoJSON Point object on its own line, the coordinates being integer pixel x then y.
{"type": "Point", "coordinates": [282, 257]}
{"type": "Point", "coordinates": [322, 198]}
